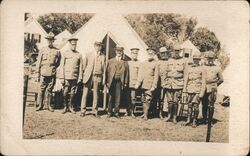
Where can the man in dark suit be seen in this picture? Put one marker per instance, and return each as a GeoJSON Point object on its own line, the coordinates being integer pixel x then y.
{"type": "Point", "coordinates": [117, 80]}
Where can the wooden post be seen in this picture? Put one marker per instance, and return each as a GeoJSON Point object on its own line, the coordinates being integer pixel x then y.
{"type": "Point", "coordinates": [25, 88]}
{"type": "Point", "coordinates": [104, 77]}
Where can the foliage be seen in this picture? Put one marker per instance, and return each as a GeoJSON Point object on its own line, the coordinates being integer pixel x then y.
{"type": "Point", "coordinates": [30, 48]}
{"type": "Point", "coordinates": [162, 29]}
{"type": "Point", "coordinates": [205, 40]}
{"type": "Point", "coordinates": [58, 22]}
{"type": "Point", "coordinates": [223, 58]}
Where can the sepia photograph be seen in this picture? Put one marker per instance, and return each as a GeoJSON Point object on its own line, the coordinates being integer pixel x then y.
{"type": "Point", "coordinates": [124, 77]}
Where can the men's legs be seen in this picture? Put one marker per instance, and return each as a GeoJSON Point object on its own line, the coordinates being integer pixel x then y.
{"type": "Point", "coordinates": [190, 106]}
{"type": "Point", "coordinates": [177, 98]}
{"type": "Point", "coordinates": [161, 102]}
{"type": "Point", "coordinates": [49, 89]}
{"type": "Point", "coordinates": [41, 93]}
{"type": "Point", "coordinates": [170, 99]}
{"type": "Point", "coordinates": [205, 107]}
{"type": "Point", "coordinates": [111, 98]}
{"type": "Point", "coordinates": [85, 91]}
{"type": "Point", "coordinates": [148, 100]}
{"type": "Point", "coordinates": [117, 97]}
{"type": "Point", "coordinates": [196, 102]}
{"type": "Point", "coordinates": [132, 101]}
{"type": "Point", "coordinates": [65, 96]}
{"type": "Point", "coordinates": [96, 94]}
{"type": "Point", "coordinates": [73, 86]}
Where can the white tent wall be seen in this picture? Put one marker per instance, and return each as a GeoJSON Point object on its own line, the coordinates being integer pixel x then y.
{"type": "Point", "coordinates": [31, 26]}
{"type": "Point", "coordinates": [118, 28]}
{"type": "Point", "coordinates": [62, 37]}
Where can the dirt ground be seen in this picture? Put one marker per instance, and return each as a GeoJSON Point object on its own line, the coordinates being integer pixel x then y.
{"type": "Point", "coordinates": [54, 125]}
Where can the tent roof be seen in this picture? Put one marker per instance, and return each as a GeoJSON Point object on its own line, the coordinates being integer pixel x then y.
{"type": "Point", "coordinates": [118, 29]}
{"type": "Point", "coordinates": [63, 34]}
{"type": "Point", "coordinates": [32, 19]}
{"type": "Point", "coordinates": [189, 45]}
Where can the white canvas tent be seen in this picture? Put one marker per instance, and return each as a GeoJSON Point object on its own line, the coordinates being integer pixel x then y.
{"type": "Point", "coordinates": [61, 38]}
{"type": "Point", "coordinates": [116, 27]}
{"type": "Point", "coordinates": [33, 30]}
{"type": "Point", "coordinates": [188, 46]}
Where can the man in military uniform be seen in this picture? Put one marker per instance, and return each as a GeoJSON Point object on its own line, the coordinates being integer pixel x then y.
{"type": "Point", "coordinates": [213, 79]}
{"type": "Point", "coordinates": [194, 86]}
{"type": "Point", "coordinates": [174, 82]}
{"type": "Point", "coordinates": [47, 63]}
{"type": "Point", "coordinates": [93, 70]}
{"type": "Point", "coordinates": [71, 74]}
{"type": "Point", "coordinates": [133, 75]}
{"type": "Point", "coordinates": [147, 80]}
{"type": "Point", "coordinates": [163, 65]}
{"type": "Point", "coordinates": [116, 80]}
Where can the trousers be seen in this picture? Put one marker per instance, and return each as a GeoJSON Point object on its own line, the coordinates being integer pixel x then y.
{"type": "Point", "coordinates": [115, 96]}
{"type": "Point", "coordinates": [47, 84]}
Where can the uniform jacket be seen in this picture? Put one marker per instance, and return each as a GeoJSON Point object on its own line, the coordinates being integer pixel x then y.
{"type": "Point", "coordinates": [71, 66]}
{"type": "Point", "coordinates": [48, 60]}
{"type": "Point", "coordinates": [133, 72]}
{"type": "Point", "coordinates": [175, 73]}
{"type": "Point", "coordinates": [214, 77]}
{"type": "Point", "coordinates": [110, 72]}
{"type": "Point", "coordinates": [89, 63]}
{"type": "Point", "coordinates": [148, 74]}
{"type": "Point", "coordinates": [195, 80]}
{"type": "Point", "coordinates": [163, 69]}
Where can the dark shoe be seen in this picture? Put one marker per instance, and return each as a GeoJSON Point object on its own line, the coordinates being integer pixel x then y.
{"type": "Point", "coordinates": [39, 108]}
{"type": "Point", "coordinates": [161, 117]}
{"type": "Point", "coordinates": [167, 119]}
{"type": "Point", "coordinates": [51, 109]}
{"type": "Point", "coordinates": [64, 110]}
{"type": "Point", "coordinates": [194, 125]}
{"type": "Point", "coordinates": [174, 120]}
{"type": "Point", "coordinates": [72, 110]}
{"type": "Point", "coordinates": [96, 115]}
{"type": "Point", "coordinates": [82, 114]}
{"type": "Point", "coordinates": [117, 116]}
{"type": "Point", "coordinates": [109, 115]}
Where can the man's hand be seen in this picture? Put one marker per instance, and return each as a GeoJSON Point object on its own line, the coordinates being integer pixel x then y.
{"type": "Point", "coordinates": [201, 95]}
{"type": "Point", "coordinates": [62, 82]}
{"type": "Point", "coordinates": [136, 86]}
{"type": "Point", "coordinates": [79, 81]}
{"type": "Point", "coordinates": [152, 89]}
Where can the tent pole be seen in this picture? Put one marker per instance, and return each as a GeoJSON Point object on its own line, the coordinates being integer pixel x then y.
{"type": "Point", "coordinates": [105, 86]}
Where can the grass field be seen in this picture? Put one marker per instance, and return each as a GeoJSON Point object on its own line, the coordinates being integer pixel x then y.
{"type": "Point", "coordinates": [54, 125]}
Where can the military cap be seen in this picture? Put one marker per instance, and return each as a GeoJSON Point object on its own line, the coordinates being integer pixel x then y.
{"type": "Point", "coordinates": [197, 55]}
{"type": "Point", "coordinates": [98, 43]}
{"type": "Point", "coordinates": [119, 48]}
{"type": "Point", "coordinates": [73, 40]}
{"type": "Point", "coordinates": [151, 49]}
{"type": "Point", "coordinates": [163, 49]}
{"type": "Point", "coordinates": [177, 47]}
{"type": "Point", "coordinates": [50, 36]}
{"type": "Point", "coordinates": [135, 49]}
{"type": "Point", "coordinates": [211, 54]}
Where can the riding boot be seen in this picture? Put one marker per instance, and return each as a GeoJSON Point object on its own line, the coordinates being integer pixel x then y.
{"type": "Point", "coordinates": [65, 104]}
{"type": "Point", "coordinates": [188, 117]}
{"type": "Point", "coordinates": [175, 109]}
{"type": "Point", "coordinates": [49, 102]}
{"type": "Point", "coordinates": [40, 101]}
{"type": "Point", "coordinates": [71, 108]}
{"type": "Point", "coordinates": [196, 113]}
{"type": "Point", "coordinates": [170, 111]}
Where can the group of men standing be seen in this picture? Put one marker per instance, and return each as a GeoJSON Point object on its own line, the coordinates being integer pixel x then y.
{"type": "Point", "coordinates": [161, 82]}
